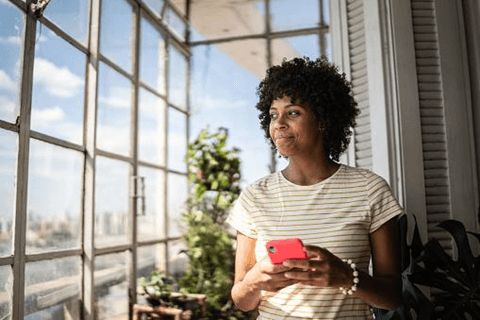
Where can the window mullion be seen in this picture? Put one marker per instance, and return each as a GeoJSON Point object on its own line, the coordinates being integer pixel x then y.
{"type": "Point", "coordinates": [19, 238]}
{"type": "Point", "coordinates": [90, 155]}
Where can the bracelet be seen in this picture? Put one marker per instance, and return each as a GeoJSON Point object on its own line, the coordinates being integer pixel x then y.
{"type": "Point", "coordinates": [355, 279]}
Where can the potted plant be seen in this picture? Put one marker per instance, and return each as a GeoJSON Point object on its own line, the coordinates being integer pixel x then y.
{"type": "Point", "coordinates": [214, 173]}
{"type": "Point", "coordinates": [455, 283]}
{"type": "Point", "coordinates": [162, 300]}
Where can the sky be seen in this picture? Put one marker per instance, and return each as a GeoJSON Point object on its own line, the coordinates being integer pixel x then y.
{"type": "Point", "coordinates": [223, 95]}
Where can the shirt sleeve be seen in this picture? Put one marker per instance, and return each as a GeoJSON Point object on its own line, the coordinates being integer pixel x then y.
{"type": "Point", "coordinates": [383, 205]}
{"type": "Point", "coordinates": [240, 218]}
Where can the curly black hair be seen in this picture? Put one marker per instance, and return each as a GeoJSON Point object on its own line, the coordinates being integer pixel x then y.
{"type": "Point", "coordinates": [317, 85]}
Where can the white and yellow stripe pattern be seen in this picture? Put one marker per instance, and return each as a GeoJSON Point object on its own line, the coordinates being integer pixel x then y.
{"type": "Point", "coordinates": [338, 214]}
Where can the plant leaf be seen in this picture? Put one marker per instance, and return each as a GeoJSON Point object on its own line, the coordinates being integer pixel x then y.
{"type": "Point", "coordinates": [465, 255]}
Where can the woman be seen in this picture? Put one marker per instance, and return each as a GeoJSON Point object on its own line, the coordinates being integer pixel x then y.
{"type": "Point", "coordinates": [339, 212]}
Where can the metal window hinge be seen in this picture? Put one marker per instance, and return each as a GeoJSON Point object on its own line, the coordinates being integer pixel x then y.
{"type": "Point", "coordinates": [38, 7]}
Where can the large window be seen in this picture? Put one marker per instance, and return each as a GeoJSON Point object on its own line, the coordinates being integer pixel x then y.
{"type": "Point", "coordinates": [98, 100]}
{"type": "Point", "coordinates": [232, 45]}
{"type": "Point", "coordinates": [93, 131]}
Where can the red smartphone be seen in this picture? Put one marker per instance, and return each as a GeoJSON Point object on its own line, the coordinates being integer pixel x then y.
{"type": "Point", "coordinates": [286, 249]}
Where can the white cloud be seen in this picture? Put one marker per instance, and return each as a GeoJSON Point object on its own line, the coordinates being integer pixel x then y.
{"type": "Point", "coordinates": [44, 117]}
{"type": "Point", "coordinates": [118, 98]}
{"type": "Point", "coordinates": [58, 81]}
{"type": "Point", "coordinates": [17, 40]}
{"type": "Point", "coordinates": [6, 105]}
{"type": "Point", "coordinates": [6, 82]}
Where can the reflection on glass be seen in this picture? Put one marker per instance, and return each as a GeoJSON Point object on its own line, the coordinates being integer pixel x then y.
{"type": "Point", "coordinates": [71, 16]}
{"type": "Point", "coordinates": [177, 85]}
{"type": "Point", "coordinates": [111, 287]}
{"type": "Point", "coordinates": [177, 140]}
{"type": "Point", "coordinates": [307, 15]}
{"type": "Point", "coordinates": [295, 47]}
{"type": "Point", "coordinates": [58, 88]}
{"type": "Point", "coordinates": [239, 18]}
{"type": "Point", "coordinates": [151, 128]}
{"type": "Point", "coordinates": [216, 102]}
{"type": "Point", "coordinates": [54, 195]}
{"type": "Point", "coordinates": [111, 202]}
{"type": "Point", "coordinates": [53, 289]}
{"type": "Point", "coordinates": [177, 260]}
{"type": "Point", "coordinates": [150, 258]}
{"type": "Point", "coordinates": [177, 24]}
{"type": "Point", "coordinates": [6, 292]}
{"type": "Point", "coordinates": [151, 225]}
{"type": "Point", "coordinates": [152, 57]}
{"type": "Point", "coordinates": [177, 203]}
{"type": "Point", "coordinates": [113, 119]}
{"type": "Point", "coordinates": [116, 33]}
{"type": "Point", "coordinates": [8, 155]}
{"type": "Point", "coordinates": [11, 30]}
{"type": "Point", "coordinates": [181, 6]}
{"type": "Point", "coordinates": [155, 5]}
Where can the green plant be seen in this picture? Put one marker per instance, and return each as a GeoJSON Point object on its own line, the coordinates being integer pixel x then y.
{"type": "Point", "coordinates": [456, 282]}
{"type": "Point", "coordinates": [214, 172]}
{"type": "Point", "coordinates": [157, 288]}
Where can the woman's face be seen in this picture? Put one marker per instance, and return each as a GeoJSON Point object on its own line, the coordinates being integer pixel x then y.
{"type": "Point", "coordinates": [293, 129]}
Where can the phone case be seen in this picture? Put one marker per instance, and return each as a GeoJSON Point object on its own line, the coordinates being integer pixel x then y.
{"type": "Point", "coordinates": [286, 249]}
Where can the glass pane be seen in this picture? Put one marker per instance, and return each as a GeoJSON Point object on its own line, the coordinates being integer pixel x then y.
{"type": "Point", "coordinates": [53, 289]}
{"type": "Point", "coordinates": [116, 33]}
{"type": "Point", "coordinates": [177, 203]}
{"type": "Point", "coordinates": [239, 18]}
{"type": "Point", "coordinates": [114, 105]}
{"type": "Point", "coordinates": [8, 155]}
{"type": "Point", "coordinates": [177, 260]}
{"type": "Point", "coordinates": [6, 292]}
{"type": "Point", "coordinates": [11, 30]}
{"type": "Point", "coordinates": [218, 103]}
{"type": "Point", "coordinates": [326, 11]}
{"type": "Point", "coordinates": [295, 47]}
{"type": "Point", "coordinates": [58, 88]}
{"type": "Point", "coordinates": [151, 225]}
{"type": "Point", "coordinates": [149, 258]}
{"type": "Point", "coordinates": [155, 5]}
{"type": "Point", "coordinates": [307, 15]}
{"type": "Point", "coordinates": [177, 24]}
{"type": "Point", "coordinates": [177, 140]}
{"type": "Point", "coordinates": [177, 85]}
{"type": "Point", "coordinates": [54, 193]}
{"type": "Point", "coordinates": [151, 128]}
{"type": "Point", "coordinates": [180, 5]}
{"type": "Point", "coordinates": [111, 202]}
{"type": "Point", "coordinates": [111, 287]}
{"type": "Point", "coordinates": [152, 57]}
{"type": "Point", "coordinates": [328, 49]}
{"type": "Point", "coordinates": [71, 16]}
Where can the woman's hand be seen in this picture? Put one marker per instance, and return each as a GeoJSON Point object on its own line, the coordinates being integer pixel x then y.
{"type": "Point", "coordinates": [323, 269]}
{"type": "Point", "coordinates": [269, 277]}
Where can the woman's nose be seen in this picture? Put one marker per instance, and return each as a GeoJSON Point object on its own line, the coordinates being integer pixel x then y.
{"type": "Point", "coordinates": [280, 122]}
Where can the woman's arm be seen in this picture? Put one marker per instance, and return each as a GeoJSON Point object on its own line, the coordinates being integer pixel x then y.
{"type": "Point", "coordinates": [381, 290]}
{"type": "Point", "coordinates": [252, 277]}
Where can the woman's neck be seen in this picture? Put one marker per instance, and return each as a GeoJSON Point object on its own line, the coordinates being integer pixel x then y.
{"type": "Point", "coordinates": [308, 172]}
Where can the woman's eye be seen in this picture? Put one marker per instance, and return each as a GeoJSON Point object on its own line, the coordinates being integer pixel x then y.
{"type": "Point", "coordinates": [273, 116]}
{"type": "Point", "coordinates": [294, 113]}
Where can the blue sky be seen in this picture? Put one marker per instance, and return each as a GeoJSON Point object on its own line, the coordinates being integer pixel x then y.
{"type": "Point", "coordinates": [223, 95]}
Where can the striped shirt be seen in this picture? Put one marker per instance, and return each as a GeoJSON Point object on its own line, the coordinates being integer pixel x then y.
{"type": "Point", "coordinates": [337, 213]}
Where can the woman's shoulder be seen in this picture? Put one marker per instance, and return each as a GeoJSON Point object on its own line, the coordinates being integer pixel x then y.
{"type": "Point", "coordinates": [266, 182]}
{"type": "Point", "coordinates": [361, 173]}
